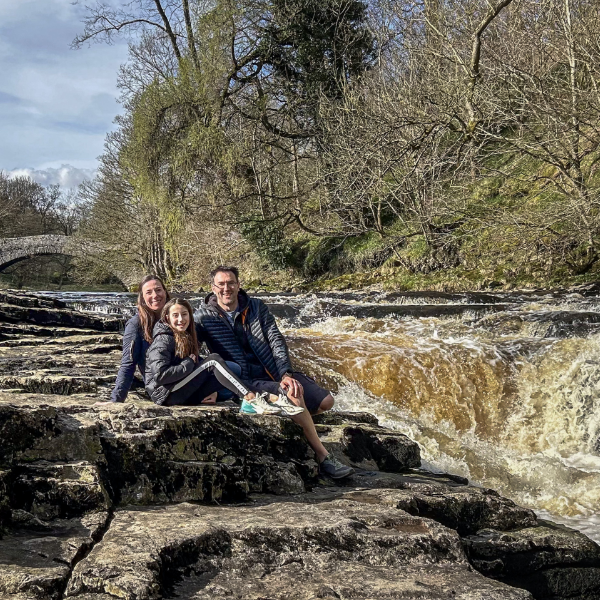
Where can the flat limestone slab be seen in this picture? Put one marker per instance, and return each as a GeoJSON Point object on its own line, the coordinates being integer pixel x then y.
{"type": "Point", "coordinates": [36, 561]}
{"type": "Point", "coordinates": [350, 581]}
{"type": "Point", "coordinates": [331, 549]}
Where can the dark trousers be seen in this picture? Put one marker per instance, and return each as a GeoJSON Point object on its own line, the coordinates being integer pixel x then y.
{"type": "Point", "coordinates": [211, 375]}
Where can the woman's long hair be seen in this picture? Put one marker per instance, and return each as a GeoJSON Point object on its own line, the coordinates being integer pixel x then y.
{"type": "Point", "coordinates": [186, 342]}
{"type": "Point", "coordinates": [147, 317]}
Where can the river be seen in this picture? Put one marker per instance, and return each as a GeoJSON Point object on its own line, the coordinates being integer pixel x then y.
{"type": "Point", "coordinates": [501, 388]}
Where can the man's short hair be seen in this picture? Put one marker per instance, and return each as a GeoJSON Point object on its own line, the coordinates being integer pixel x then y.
{"type": "Point", "coordinates": [224, 269]}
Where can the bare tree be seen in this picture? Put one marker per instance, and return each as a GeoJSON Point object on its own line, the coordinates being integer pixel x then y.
{"type": "Point", "coordinates": [544, 76]}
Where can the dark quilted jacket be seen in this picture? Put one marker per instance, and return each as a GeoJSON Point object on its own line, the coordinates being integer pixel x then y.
{"type": "Point", "coordinates": [265, 339]}
{"type": "Point", "coordinates": [134, 355]}
{"type": "Point", "coordinates": [163, 368]}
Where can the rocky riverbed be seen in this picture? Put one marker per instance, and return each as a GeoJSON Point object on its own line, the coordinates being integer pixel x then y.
{"type": "Point", "coordinates": [140, 502]}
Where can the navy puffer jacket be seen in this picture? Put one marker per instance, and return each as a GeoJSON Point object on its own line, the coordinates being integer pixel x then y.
{"type": "Point", "coordinates": [163, 368]}
{"type": "Point", "coordinates": [134, 355]}
{"type": "Point", "coordinates": [263, 335]}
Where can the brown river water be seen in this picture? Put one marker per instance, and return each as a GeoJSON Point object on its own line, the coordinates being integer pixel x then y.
{"type": "Point", "coordinates": [501, 388]}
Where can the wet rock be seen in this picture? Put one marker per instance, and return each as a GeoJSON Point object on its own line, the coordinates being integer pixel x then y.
{"type": "Point", "coordinates": [49, 384]}
{"type": "Point", "coordinates": [29, 300]}
{"type": "Point", "coordinates": [338, 418]}
{"type": "Point", "coordinates": [5, 512]}
{"type": "Point", "coordinates": [544, 324]}
{"type": "Point", "coordinates": [465, 508]}
{"type": "Point", "coordinates": [397, 533]}
{"type": "Point", "coordinates": [29, 332]}
{"type": "Point", "coordinates": [327, 309]}
{"type": "Point", "coordinates": [25, 309]}
{"type": "Point", "coordinates": [64, 364]}
{"type": "Point", "coordinates": [284, 311]}
{"type": "Point", "coordinates": [456, 298]}
{"type": "Point", "coordinates": [152, 454]}
{"type": "Point", "coordinates": [356, 581]}
{"type": "Point", "coordinates": [585, 289]}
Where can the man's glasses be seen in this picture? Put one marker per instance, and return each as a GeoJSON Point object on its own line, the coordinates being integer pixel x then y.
{"type": "Point", "coordinates": [225, 284]}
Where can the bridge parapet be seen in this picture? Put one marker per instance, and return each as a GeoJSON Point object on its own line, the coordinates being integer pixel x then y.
{"type": "Point", "coordinates": [13, 250]}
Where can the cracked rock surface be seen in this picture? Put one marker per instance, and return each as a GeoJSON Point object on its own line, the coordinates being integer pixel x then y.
{"type": "Point", "coordinates": [137, 501]}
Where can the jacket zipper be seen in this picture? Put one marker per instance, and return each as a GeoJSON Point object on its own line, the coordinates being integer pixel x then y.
{"type": "Point", "coordinates": [245, 329]}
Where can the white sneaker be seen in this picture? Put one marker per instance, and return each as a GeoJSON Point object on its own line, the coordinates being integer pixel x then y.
{"type": "Point", "coordinates": [288, 408]}
{"type": "Point", "coordinates": [259, 405]}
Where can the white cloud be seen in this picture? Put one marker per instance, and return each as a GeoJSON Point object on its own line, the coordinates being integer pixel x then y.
{"type": "Point", "coordinates": [67, 176]}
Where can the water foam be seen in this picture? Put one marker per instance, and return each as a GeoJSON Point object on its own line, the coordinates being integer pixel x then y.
{"type": "Point", "coordinates": [515, 414]}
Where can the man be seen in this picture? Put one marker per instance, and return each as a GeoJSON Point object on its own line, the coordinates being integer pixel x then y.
{"type": "Point", "coordinates": [242, 330]}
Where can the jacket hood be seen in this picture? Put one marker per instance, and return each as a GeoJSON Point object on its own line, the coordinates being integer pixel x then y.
{"type": "Point", "coordinates": [243, 300]}
{"type": "Point", "coordinates": [161, 328]}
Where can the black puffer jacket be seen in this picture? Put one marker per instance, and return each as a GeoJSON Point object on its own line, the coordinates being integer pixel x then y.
{"type": "Point", "coordinates": [257, 325]}
{"type": "Point", "coordinates": [163, 368]}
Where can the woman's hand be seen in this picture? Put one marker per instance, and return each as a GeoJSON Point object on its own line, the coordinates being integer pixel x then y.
{"type": "Point", "coordinates": [194, 358]}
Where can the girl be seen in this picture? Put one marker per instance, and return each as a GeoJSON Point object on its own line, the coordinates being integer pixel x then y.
{"type": "Point", "coordinates": [175, 376]}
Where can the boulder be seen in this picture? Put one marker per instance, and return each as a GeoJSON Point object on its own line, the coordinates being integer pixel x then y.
{"type": "Point", "coordinates": [551, 560]}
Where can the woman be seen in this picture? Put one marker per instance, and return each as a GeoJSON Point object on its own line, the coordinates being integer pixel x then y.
{"type": "Point", "coordinates": [152, 297]}
{"type": "Point", "coordinates": [174, 373]}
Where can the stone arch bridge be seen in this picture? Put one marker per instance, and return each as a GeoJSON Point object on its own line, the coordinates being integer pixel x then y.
{"type": "Point", "coordinates": [13, 250]}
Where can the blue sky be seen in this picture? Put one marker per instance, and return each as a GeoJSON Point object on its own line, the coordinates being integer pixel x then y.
{"type": "Point", "coordinates": [56, 104]}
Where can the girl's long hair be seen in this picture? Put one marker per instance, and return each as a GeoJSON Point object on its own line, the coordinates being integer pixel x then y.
{"type": "Point", "coordinates": [147, 317]}
{"type": "Point", "coordinates": [186, 342]}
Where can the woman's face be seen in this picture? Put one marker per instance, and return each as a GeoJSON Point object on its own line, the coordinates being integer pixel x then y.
{"type": "Point", "coordinates": [179, 317]}
{"type": "Point", "coordinates": [155, 295]}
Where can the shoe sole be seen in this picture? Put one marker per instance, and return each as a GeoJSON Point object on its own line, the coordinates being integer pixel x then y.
{"type": "Point", "coordinates": [285, 413]}
{"type": "Point", "coordinates": [338, 476]}
{"type": "Point", "coordinates": [291, 413]}
{"type": "Point", "coordinates": [260, 412]}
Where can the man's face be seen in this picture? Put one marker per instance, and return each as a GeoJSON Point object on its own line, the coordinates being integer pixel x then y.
{"type": "Point", "coordinates": [226, 287]}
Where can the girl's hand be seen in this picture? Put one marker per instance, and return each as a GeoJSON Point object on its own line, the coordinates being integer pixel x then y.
{"type": "Point", "coordinates": [194, 358]}
{"type": "Point", "coordinates": [212, 399]}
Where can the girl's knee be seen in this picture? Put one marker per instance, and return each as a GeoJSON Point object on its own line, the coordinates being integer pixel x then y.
{"type": "Point", "coordinates": [216, 357]}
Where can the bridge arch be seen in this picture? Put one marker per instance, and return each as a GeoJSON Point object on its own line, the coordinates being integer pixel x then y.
{"type": "Point", "coordinates": [13, 250]}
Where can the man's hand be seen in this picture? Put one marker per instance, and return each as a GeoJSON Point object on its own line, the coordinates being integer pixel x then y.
{"type": "Point", "coordinates": [292, 386]}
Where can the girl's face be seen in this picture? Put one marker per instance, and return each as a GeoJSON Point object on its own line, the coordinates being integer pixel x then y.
{"type": "Point", "coordinates": [179, 317]}
{"type": "Point", "coordinates": [155, 295]}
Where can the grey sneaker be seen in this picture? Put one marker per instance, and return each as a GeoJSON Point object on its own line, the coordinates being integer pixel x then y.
{"type": "Point", "coordinates": [288, 408]}
{"type": "Point", "coordinates": [259, 405]}
{"type": "Point", "coordinates": [334, 468]}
